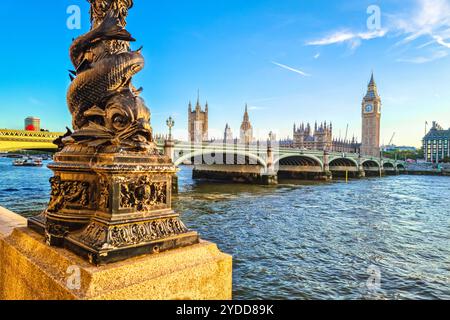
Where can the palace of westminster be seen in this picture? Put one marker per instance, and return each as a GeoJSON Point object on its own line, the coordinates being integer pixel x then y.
{"type": "Point", "coordinates": [304, 135]}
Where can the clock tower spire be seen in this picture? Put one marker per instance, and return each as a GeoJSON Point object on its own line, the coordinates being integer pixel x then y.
{"type": "Point", "coordinates": [371, 119]}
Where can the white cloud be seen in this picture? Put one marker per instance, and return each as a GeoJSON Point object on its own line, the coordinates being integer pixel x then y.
{"type": "Point", "coordinates": [317, 56]}
{"type": "Point", "coordinates": [337, 37]}
{"type": "Point", "coordinates": [427, 21]}
{"type": "Point", "coordinates": [354, 39]}
{"type": "Point", "coordinates": [291, 69]}
{"type": "Point", "coordinates": [425, 59]}
{"type": "Point", "coordinates": [440, 40]}
{"type": "Point", "coordinates": [429, 18]}
{"type": "Point", "coordinates": [427, 44]}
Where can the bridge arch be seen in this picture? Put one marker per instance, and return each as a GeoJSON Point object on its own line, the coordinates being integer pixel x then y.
{"type": "Point", "coordinates": [372, 168]}
{"type": "Point", "coordinates": [342, 166]}
{"type": "Point", "coordinates": [299, 166]}
{"type": "Point", "coordinates": [401, 167]}
{"type": "Point", "coordinates": [367, 164]}
{"type": "Point", "coordinates": [299, 160]}
{"type": "Point", "coordinates": [388, 165]}
{"type": "Point", "coordinates": [181, 156]}
{"type": "Point", "coordinates": [343, 162]}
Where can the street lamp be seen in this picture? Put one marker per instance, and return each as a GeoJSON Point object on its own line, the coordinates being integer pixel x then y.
{"type": "Point", "coordinates": [170, 123]}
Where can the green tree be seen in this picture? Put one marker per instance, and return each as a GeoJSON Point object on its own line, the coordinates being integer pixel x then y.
{"type": "Point", "coordinates": [402, 155]}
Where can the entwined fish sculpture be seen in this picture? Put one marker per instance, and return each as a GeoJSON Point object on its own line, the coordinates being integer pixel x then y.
{"type": "Point", "coordinates": [106, 109]}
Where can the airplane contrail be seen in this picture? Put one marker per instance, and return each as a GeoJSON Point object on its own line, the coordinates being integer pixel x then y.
{"type": "Point", "coordinates": [291, 69]}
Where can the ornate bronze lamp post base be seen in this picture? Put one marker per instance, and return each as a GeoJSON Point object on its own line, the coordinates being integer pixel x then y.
{"type": "Point", "coordinates": [108, 207]}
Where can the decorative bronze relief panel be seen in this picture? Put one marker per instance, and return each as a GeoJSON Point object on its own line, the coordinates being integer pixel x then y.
{"type": "Point", "coordinates": [144, 195]}
{"type": "Point", "coordinates": [68, 194]}
{"type": "Point", "coordinates": [104, 194]}
{"type": "Point", "coordinates": [113, 237]}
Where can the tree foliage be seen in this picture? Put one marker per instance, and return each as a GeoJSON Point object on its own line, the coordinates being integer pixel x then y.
{"type": "Point", "coordinates": [402, 155]}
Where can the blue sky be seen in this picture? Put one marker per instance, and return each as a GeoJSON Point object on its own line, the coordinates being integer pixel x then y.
{"type": "Point", "coordinates": [289, 60]}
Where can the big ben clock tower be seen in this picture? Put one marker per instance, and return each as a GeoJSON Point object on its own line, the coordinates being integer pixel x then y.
{"type": "Point", "coordinates": [371, 117]}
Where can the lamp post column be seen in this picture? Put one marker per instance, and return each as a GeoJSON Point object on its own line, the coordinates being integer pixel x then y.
{"type": "Point", "coordinates": [169, 151]}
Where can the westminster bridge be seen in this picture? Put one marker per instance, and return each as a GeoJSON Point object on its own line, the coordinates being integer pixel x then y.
{"type": "Point", "coordinates": [261, 162]}
{"type": "Point", "coordinates": [265, 162]}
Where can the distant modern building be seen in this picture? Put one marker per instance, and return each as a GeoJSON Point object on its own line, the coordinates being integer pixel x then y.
{"type": "Point", "coordinates": [198, 123]}
{"type": "Point", "coordinates": [371, 120]}
{"type": "Point", "coordinates": [436, 144]}
{"type": "Point", "coordinates": [246, 136]}
{"type": "Point", "coordinates": [228, 135]}
{"type": "Point", "coordinates": [321, 138]}
{"type": "Point", "coordinates": [32, 124]}
{"type": "Point", "coordinates": [394, 148]}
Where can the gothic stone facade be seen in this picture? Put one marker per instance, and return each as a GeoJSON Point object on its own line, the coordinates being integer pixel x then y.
{"type": "Point", "coordinates": [322, 139]}
{"type": "Point", "coordinates": [228, 135]}
{"type": "Point", "coordinates": [198, 123]}
{"type": "Point", "coordinates": [246, 134]}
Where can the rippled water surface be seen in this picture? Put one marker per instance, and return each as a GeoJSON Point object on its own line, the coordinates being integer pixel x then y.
{"type": "Point", "coordinates": [307, 241]}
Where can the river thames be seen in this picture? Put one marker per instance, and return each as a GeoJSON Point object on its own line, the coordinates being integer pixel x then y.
{"type": "Point", "coordinates": [369, 239]}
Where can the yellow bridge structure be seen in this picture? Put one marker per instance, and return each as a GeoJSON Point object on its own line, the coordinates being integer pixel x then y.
{"type": "Point", "coordinates": [17, 140]}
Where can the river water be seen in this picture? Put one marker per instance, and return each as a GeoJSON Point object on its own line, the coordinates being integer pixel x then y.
{"type": "Point", "coordinates": [369, 239]}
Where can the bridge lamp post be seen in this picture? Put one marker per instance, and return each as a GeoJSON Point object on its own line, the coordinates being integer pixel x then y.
{"type": "Point", "coordinates": [170, 123]}
{"type": "Point", "coordinates": [271, 138]}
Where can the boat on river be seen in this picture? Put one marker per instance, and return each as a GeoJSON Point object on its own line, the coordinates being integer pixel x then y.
{"type": "Point", "coordinates": [28, 162]}
{"type": "Point", "coordinates": [14, 156]}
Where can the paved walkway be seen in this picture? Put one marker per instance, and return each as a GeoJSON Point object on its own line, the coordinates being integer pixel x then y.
{"type": "Point", "coordinates": [10, 220]}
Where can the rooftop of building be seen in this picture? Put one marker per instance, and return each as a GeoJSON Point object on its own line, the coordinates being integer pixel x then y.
{"type": "Point", "coordinates": [437, 132]}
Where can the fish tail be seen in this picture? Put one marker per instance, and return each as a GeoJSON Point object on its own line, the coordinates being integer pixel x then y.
{"type": "Point", "coordinates": [110, 29]}
{"type": "Point", "coordinates": [117, 33]}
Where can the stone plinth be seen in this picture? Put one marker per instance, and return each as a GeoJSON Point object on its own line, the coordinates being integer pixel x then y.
{"type": "Point", "coordinates": [31, 270]}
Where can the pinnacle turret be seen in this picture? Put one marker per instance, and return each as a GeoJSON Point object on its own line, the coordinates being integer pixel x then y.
{"type": "Point", "coordinates": [372, 90]}
{"type": "Point", "coordinates": [246, 136]}
{"type": "Point", "coordinates": [372, 81]}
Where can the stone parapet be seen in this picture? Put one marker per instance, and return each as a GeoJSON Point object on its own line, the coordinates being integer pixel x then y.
{"type": "Point", "coordinates": [31, 270]}
{"type": "Point", "coordinates": [10, 220]}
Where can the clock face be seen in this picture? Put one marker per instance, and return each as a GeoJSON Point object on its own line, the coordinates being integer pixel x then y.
{"type": "Point", "coordinates": [368, 108]}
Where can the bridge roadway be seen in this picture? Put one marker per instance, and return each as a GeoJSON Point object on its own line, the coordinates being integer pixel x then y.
{"type": "Point", "coordinates": [264, 163]}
